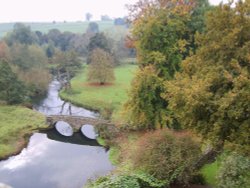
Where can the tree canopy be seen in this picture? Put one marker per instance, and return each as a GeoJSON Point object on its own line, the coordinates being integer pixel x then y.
{"type": "Point", "coordinates": [101, 67]}
{"type": "Point", "coordinates": [211, 94]}
{"type": "Point", "coordinates": [159, 33]}
{"type": "Point", "coordinates": [11, 89]}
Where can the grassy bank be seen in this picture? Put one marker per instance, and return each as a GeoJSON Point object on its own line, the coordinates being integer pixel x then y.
{"type": "Point", "coordinates": [15, 126]}
{"type": "Point", "coordinates": [209, 172]}
{"type": "Point", "coordinates": [104, 98]}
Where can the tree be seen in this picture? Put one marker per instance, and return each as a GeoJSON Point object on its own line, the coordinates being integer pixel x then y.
{"type": "Point", "coordinates": [50, 50]}
{"type": "Point", "coordinates": [22, 34]}
{"type": "Point", "coordinates": [166, 155]}
{"type": "Point", "coordinates": [92, 28]}
{"type": "Point", "coordinates": [145, 107]}
{"type": "Point", "coordinates": [234, 172]}
{"type": "Point", "coordinates": [67, 64]}
{"type": "Point", "coordinates": [88, 16]}
{"type": "Point", "coordinates": [120, 21]}
{"type": "Point", "coordinates": [159, 30]}
{"type": "Point", "coordinates": [30, 65]}
{"type": "Point", "coordinates": [4, 51]}
{"type": "Point", "coordinates": [211, 94]}
{"type": "Point", "coordinates": [99, 40]}
{"type": "Point", "coordinates": [101, 67]}
{"type": "Point", "coordinates": [54, 36]}
{"type": "Point", "coordinates": [11, 89]}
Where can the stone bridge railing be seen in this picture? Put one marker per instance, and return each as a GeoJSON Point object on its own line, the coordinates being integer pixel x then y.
{"type": "Point", "coordinates": [76, 122]}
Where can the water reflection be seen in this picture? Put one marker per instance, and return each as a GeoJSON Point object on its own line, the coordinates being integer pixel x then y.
{"type": "Point", "coordinates": [77, 138]}
{"type": "Point", "coordinates": [89, 131]}
{"type": "Point", "coordinates": [64, 128]}
{"type": "Point", "coordinates": [55, 161]}
{"type": "Point", "coordinates": [52, 164]}
{"type": "Point", "coordinates": [53, 105]}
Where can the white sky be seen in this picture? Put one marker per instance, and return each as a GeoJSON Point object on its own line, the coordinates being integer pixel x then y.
{"type": "Point", "coordinates": [60, 10]}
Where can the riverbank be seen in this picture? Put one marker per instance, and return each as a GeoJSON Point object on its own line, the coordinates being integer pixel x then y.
{"type": "Point", "coordinates": [16, 125]}
{"type": "Point", "coordinates": [103, 98]}
{"type": "Point", "coordinates": [110, 98]}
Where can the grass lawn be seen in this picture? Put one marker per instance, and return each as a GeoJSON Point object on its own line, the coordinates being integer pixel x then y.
{"type": "Point", "coordinates": [101, 98]}
{"type": "Point", "coordinates": [16, 123]}
{"type": "Point", "coordinates": [209, 172]}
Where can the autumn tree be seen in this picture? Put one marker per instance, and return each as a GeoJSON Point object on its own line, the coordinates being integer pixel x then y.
{"type": "Point", "coordinates": [99, 40]}
{"type": "Point", "coordinates": [29, 62]}
{"type": "Point", "coordinates": [101, 67]}
{"type": "Point", "coordinates": [211, 94]}
{"type": "Point", "coordinates": [159, 30]}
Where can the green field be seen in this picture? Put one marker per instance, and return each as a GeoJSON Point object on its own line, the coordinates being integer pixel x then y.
{"type": "Point", "coordinates": [101, 98]}
{"type": "Point", "coordinates": [17, 123]}
{"type": "Point", "coordinates": [209, 172]}
{"type": "Point", "coordinates": [75, 27]}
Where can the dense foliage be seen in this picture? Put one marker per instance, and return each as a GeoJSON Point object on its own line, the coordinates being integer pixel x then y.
{"type": "Point", "coordinates": [163, 36]}
{"type": "Point", "coordinates": [211, 94]}
{"type": "Point", "coordinates": [167, 156]}
{"type": "Point", "coordinates": [145, 107]}
{"type": "Point", "coordinates": [101, 67]}
{"type": "Point", "coordinates": [11, 89]}
{"type": "Point", "coordinates": [135, 180]}
{"type": "Point", "coordinates": [234, 172]}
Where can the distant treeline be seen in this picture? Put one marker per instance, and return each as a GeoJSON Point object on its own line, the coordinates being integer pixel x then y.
{"type": "Point", "coordinates": [29, 56]}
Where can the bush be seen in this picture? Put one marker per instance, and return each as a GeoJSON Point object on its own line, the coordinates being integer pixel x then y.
{"type": "Point", "coordinates": [234, 172]}
{"type": "Point", "coordinates": [135, 180]}
{"type": "Point", "coordinates": [122, 181]}
{"type": "Point", "coordinates": [167, 156]}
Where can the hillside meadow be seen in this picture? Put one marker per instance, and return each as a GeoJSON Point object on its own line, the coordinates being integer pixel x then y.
{"type": "Point", "coordinates": [74, 27]}
{"type": "Point", "coordinates": [16, 124]}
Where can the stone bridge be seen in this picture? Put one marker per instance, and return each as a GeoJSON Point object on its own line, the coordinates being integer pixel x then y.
{"type": "Point", "coordinates": [76, 122]}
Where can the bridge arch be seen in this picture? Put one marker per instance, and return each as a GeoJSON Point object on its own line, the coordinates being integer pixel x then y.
{"type": "Point", "coordinates": [89, 131]}
{"type": "Point", "coordinates": [76, 122]}
{"type": "Point", "coordinates": [64, 128]}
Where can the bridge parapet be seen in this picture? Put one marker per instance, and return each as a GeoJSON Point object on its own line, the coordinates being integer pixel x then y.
{"type": "Point", "coordinates": [76, 122]}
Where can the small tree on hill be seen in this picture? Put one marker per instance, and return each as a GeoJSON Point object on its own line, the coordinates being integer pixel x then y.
{"type": "Point", "coordinates": [101, 67]}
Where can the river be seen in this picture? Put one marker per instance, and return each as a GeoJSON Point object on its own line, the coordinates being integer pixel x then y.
{"type": "Point", "coordinates": [54, 161]}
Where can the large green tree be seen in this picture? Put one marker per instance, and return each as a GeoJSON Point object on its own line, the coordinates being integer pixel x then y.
{"type": "Point", "coordinates": [159, 31]}
{"type": "Point", "coordinates": [99, 40]}
{"type": "Point", "coordinates": [212, 93]}
{"type": "Point", "coordinates": [11, 89]}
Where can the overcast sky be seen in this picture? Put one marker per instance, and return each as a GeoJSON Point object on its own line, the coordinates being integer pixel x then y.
{"type": "Point", "coordinates": [60, 10]}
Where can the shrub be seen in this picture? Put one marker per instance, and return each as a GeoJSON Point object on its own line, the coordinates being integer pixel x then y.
{"type": "Point", "coordinates": [135, 180]}
{"type": "Point", "coordinates": [234, 172]}
{"type": "Point", "coordinates": [167, 156]}
{"type": "Point", "coordinates": [122, 181]}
